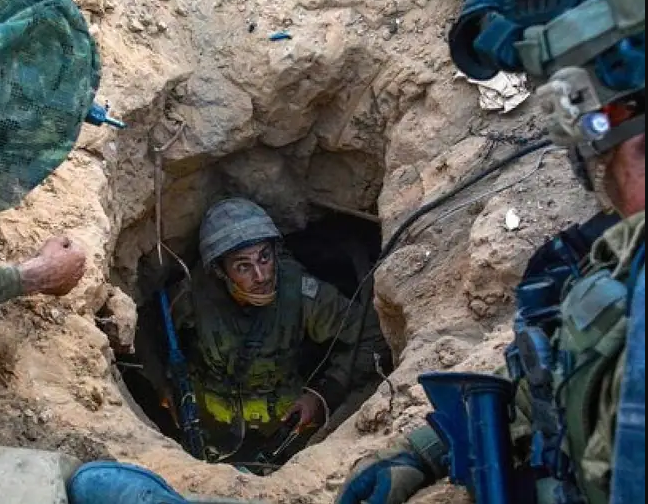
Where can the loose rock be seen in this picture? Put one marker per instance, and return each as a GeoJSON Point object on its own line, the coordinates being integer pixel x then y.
{"type": "Point", "coordinates": [30, 476]}
{"type": "Point", "coordinates": [181, 10]}
{"type": "Point", "coordinates": [135, 26]}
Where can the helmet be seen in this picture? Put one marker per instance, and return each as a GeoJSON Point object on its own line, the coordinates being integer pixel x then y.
{"type": "Point", "coordinates": [234, 224]}
{"type": "Point", "coordinates": [590, 54]}
{"type": "Point", "coordinates": [50, 73]}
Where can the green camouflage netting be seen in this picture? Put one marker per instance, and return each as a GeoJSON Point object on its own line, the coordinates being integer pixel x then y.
{"type": "Point", "coordinates": [49, 73]}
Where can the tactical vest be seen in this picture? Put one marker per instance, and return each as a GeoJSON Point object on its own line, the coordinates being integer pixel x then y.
{"type": "Point", "coordinates": [249, 355]}
{"type": "Point", "coordinates": [574, 376]}
{"type": "Point", "coordinates": [591, 344]}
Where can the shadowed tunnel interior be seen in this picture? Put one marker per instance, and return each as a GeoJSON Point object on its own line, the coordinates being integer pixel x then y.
{"type": "Point", "coordinates": [338, 249]}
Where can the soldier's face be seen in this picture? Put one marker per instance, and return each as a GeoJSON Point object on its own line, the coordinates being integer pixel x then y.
{"type": "Point", "coordinates": [253, 269]}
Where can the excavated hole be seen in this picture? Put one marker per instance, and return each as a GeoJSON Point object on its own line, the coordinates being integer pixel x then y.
{"type": "Point", "coordinates": [334, 247]}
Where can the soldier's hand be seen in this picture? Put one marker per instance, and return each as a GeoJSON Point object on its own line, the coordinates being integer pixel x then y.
{"type": "Point", "coordinates": [309, 407]}
{"type": "Point", "coordinates": [387, 478]}
{"type": "Point", "coordinates": [56, 270]}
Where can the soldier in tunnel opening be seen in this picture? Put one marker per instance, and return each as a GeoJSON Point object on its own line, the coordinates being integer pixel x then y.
{"type": "Point", "coordinates": [246, 325]}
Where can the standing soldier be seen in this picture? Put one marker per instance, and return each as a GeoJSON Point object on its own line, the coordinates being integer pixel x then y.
{"type": "Point", "coordinates": [581, 396]}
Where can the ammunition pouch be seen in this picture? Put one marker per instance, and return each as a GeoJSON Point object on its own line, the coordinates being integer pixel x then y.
{"type": "Point", "coordinates": [256, 411]}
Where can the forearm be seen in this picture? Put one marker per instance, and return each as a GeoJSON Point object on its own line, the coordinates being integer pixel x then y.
{"type": "Point", "coordinates": [22, 280]}
{"type": "Point", "coordinates": [427, 445]}
{"type": "Point", "coordinates": [55, 270]}
{"type": "Point", "coordinates": [10, 283]}
{"type": "Point", "coordinates": [327, 324]}
{"type": "Point", "coordinates": [353, 359]}
{"type": "Point", "coordinates": [32, 274]}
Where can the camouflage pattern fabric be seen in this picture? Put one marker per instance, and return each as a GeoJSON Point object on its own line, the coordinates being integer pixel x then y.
{"type": "Point", "coordinates": [50, 72]}
{"type": "Point", "coordinates": [10, 286]}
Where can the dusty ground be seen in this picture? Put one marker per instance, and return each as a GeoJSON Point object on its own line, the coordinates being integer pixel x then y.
{"type": "Point", "coordinates": [360, 109]}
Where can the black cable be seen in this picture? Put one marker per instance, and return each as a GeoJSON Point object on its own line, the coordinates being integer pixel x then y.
{"type": "Point", "coordinates": [413, 218]}
{"type": "Point", "coordinates": [425, 209]}
{"type": "Point", "coordinates": [366, 303]}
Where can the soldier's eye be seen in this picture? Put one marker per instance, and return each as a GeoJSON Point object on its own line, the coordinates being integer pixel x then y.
{"type": "Point", "coordinates": [266, 256]}
{"type": "Point", "coordinates": [243, 269]}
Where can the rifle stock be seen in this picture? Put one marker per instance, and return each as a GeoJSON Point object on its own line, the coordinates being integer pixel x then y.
{"type": "Point", "coordinates": [472, 416]}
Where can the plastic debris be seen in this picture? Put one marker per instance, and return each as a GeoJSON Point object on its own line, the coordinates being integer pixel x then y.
{"type": "Point", "coordinates": [513, 220]}
{"type": "Point", "coordinates": [275, 37]}
{"type": "Point", "coordinates": [99, 115]}
{"type": "Point", "coordinates": [505, 92]}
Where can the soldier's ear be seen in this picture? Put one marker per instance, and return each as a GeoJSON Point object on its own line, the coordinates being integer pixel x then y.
{"type": "Point", "coordinates": [279, 248]}
{"type": "Point", "coordinates": [217, 269]}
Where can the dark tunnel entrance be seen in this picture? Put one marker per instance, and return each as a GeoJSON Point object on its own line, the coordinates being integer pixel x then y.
{"type": "Point", "coordinates": [337, 249]}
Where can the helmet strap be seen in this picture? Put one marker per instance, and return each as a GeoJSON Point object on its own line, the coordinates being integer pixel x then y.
{"type": "Point", "coordinates": [597, 169]}
{"type": "Point", "coordinates": [247, 298]}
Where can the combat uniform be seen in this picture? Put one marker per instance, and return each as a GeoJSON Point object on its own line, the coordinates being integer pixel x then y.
{"type": "Point", "coordinates": [10, 284]}
{"type": "Point", "coordinates": [248, 362]}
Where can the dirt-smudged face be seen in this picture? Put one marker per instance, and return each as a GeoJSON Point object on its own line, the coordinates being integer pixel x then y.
{"type": "Point", "coordinates": [253, 268]}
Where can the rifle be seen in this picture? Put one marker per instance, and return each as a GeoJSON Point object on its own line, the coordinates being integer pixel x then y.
{"type": "Point", "coordinates": [472, 416]}
{"type": "Point", "coordinates": [283, 439]}
{"type": "Point", "coordinates": [187, 406]}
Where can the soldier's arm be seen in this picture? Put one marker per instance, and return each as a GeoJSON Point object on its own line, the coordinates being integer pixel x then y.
{"type": "Point", "coordinates": [427, 444]}
{"type": "Point", "coordinates": [395, 475]}
{"type": "Point", "coordinates": [329, 315]}
{"type": "Point", "coordinates": [55, 270]}
{"type": "Point", "coordinates": [10, 283]}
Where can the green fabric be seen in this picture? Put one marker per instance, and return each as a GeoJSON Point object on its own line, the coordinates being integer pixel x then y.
{"type": "Point", "coordinates": [222, 330]}
{"type": "Point", "coordinates": [305, 308]}
{"type": "Point", "coordinates": [321, 318]}
{"type": "Point", "coordinates": [428, 445]}
{"type": "Point", "coordinates": [594, 332]}
{"type": "Point", "coordinates": [50, 74]}
{"type": "Point", "coordinates": [10, 285]}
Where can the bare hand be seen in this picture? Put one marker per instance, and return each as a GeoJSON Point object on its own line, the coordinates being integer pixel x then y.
{"type": "Point", "coordinates": [309, 407]}
{"type": "Point", "coordinates": [56, 270]}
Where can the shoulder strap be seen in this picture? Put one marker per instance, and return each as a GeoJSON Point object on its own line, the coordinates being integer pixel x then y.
{"type": "Point", "coordinates": [618, 247]}
{"type": "Point", "coordinates": [593, 339]}
{"type": "Point", "coordinates": [570, 247]}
